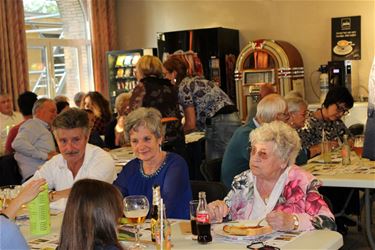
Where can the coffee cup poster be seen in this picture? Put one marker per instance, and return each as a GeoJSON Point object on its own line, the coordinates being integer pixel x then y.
{"type": "Point", "coordinates": [346, 38]}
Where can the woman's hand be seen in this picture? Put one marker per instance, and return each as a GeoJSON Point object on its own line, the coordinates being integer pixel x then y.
{"type": "Point", "coordinates": [218, 210]}
{"type": "Point", "coordinates": [280, 220]}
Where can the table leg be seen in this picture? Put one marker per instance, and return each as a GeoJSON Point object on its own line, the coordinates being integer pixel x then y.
{"type": "Point", "coordinates": [368, 218]}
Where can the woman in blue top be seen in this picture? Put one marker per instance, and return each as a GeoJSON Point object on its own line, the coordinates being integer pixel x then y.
{"type": "Point", "coordinates": [153, 166]}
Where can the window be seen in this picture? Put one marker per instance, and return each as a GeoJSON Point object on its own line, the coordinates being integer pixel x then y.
{"type": "Point", "coordinates": [58, 47]}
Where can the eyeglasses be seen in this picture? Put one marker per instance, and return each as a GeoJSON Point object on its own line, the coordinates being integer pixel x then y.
{"type": "Point", "coordinates": [258, 245]}
{"type": "Point", "coordinates": [284, 116]}
{"type": "Point", "coordinates": [261, 154]}
{"type": "Point", "coordinates": [342, 109]}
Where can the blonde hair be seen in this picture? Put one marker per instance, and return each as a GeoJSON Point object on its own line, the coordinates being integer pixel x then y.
{"type": "Point", "coordinates": [122, 103]}
{"type": "Point", "coordinates": [149, 66]}
{"type": "Point", "coordinates": [286, 140]}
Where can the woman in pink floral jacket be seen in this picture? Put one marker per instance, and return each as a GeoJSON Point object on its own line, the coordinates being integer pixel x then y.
{"type": "Point", "coordinates": [274, 188]}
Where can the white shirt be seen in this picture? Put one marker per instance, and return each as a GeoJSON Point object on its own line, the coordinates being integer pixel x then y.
{"type": "Point", "coordinates": [97, 164]}
{"type": "Point", "coordinates": [6, 123]}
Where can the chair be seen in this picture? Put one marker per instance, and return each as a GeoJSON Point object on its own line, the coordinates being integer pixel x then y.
{"type": "Point", "coordinates": [9, 171]}
{"type": "Point", "coordinates": [214, 190]}
{"type": "Point", "coordinates": [211, 170]}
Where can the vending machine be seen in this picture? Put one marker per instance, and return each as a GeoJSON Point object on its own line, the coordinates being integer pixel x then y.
{"type": "Point", "coordinates": [121, 73]}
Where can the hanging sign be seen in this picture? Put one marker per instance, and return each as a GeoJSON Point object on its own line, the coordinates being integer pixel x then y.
{"type": "Point", "coordinates": [346, 38]}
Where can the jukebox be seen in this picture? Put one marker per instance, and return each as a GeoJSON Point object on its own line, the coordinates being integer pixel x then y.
{"type": "Point", "coordinates": [266, 62]}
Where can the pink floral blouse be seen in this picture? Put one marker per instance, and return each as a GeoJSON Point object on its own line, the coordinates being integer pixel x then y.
{"type": "Point", "coordinates": [300, 196]}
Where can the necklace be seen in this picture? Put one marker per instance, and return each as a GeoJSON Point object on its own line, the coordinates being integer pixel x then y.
{"type": "Point", "coordinates": [161, 166]}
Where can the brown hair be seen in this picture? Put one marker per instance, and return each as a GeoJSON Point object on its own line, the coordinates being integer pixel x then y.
{"type": "Point", "coordinates": [91, 216]}
{"type": "Point", "coordinates": [100, 104]}
{"type": "Point", "coordinates": [176, 63]}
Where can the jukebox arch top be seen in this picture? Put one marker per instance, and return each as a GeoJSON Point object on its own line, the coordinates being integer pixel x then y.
{"type": "Point", "coordinates": [267, 61]}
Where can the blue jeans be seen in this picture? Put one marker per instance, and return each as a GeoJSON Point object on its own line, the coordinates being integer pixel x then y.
{"type": "Point", "coordinates": [369, 144]}
{"type": "Point", "coordinates": [219, 132]}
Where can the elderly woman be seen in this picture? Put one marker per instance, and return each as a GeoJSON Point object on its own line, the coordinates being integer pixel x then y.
{"type": "Point", "coordinates": [273, 188]}
{"type": "Point", "coordinates": [236, 156]}
{"type": "Point", "coordinates": [154, 166]}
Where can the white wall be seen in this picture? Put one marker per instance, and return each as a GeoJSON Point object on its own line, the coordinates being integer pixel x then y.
{"type": "Point", "coordinates": [305, 24]}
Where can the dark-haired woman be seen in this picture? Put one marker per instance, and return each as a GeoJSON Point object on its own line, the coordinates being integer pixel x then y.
{"type": "Point", "coordinates": [95, 101]}
{"type": "Point", "coordinates": [336, 105]}
{"type": "Point", "coordinates": [206, 107]}
{"type": "Point", "coordinates": [92, 212]}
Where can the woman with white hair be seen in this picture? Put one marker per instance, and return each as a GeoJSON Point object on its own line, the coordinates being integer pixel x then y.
{"type": "Point", "coordinates": [274, 188]}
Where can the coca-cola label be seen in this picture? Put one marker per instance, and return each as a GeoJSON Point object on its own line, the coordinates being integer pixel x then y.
{"type": "Point", "coordinates": [203, 218]}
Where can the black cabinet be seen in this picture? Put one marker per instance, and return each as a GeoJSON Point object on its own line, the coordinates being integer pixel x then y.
{"type": "Point", "coordinates": [217, 49]}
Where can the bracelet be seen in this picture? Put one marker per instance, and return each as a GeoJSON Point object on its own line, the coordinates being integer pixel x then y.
{"type": "Point", "coordinates": [51, 195]}
{"type": "Point", "coordinates": [295, 222]}
{"type": "Point", "coordinates": [6, 216]}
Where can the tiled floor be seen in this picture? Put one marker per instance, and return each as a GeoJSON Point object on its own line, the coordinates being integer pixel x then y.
{"type": "Point", "coordinates": [355, 240]}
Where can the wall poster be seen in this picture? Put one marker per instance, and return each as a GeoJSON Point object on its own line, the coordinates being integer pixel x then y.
{"type": "Point", "coordinates": [346, 38]}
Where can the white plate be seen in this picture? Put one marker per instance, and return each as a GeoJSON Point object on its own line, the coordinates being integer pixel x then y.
{"type": "Point", "coordinates": [218, 229]}
{"type": "Point", "coordinates": [342, 52]}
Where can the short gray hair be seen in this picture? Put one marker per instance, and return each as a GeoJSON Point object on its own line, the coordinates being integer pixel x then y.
{"type": "Point", "coordinates": [294, 104]}
{"type": "Point", "coordinates": [285, 138]}
{"type": "Point", "coordinates": [39, 103]}
{"type": "Point", "coordinates": [269, 107]}
{"type": "Point", "coordinates": [72, 118]}
{"type": "Point", "coordinates": [150, 118]}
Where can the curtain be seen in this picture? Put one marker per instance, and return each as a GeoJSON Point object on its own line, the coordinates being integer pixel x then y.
{"type": "Point", "coordinates": [14, 75]}
{"type": "Point", "coordinates": [104, 38]}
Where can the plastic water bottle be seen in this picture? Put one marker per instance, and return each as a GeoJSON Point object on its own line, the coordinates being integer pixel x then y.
{"type": "Point", "coordinates": [39, 213]}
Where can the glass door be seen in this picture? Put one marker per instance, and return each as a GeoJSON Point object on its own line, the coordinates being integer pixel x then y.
{"type": "Point", "coordinates": [56, 67]}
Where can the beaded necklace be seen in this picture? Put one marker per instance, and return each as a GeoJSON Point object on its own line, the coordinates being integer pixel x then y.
{"type": "Point", "coordinates": [157, 171]}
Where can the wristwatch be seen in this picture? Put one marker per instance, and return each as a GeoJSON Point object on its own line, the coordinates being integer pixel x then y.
{"type": "Point", "coordinates": [295, 222]}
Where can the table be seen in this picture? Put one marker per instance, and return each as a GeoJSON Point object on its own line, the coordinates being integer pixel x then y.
{"type": "Point", "coordinates": [121, 156]}
{"type": "Point", "coordinates": [317, 239]}
{"type": "Point", "coordinates": [359, 174]}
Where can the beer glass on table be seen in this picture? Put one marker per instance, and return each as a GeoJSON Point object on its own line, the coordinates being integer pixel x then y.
{"type": "Point", "coordinates": [358, 145]}
{"type": "Point", "coordinates": [136, 209]}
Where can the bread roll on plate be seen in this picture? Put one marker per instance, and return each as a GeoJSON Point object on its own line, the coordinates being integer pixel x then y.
{"type": "Point", "coordinates": [242, 230]}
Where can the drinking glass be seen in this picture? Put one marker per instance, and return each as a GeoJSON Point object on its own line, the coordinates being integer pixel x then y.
{"type": "Point", "coordinates": [193, 214]}
{"type": "Point", "coordinates": [8, 193]}
{"type": "Point", "coordinates": [358, 145]}
{"type": "Point", "coordinates": [136, 209]}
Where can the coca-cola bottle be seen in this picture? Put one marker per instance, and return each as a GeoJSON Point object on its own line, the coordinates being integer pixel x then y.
{"type": "Point", "coordinates": [203, 220]}
{"type": "Point", "coordinates": [154, 209]}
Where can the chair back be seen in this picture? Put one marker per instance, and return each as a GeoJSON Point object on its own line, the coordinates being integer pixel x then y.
{"type": "Point", "coordinates": [214, 190]}
{"type": "Point", "coordinates": [211, 170]}
{"type": "Point", "coordinates": [9, 171]}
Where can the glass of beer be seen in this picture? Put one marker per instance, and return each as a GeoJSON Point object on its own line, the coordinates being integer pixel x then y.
{"type": "Point", "coordinates": [136, 209]}
{"type": "Point", "coordinates": [358, 145]}
{"type": "Point", "coordinates": [193, 213]}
